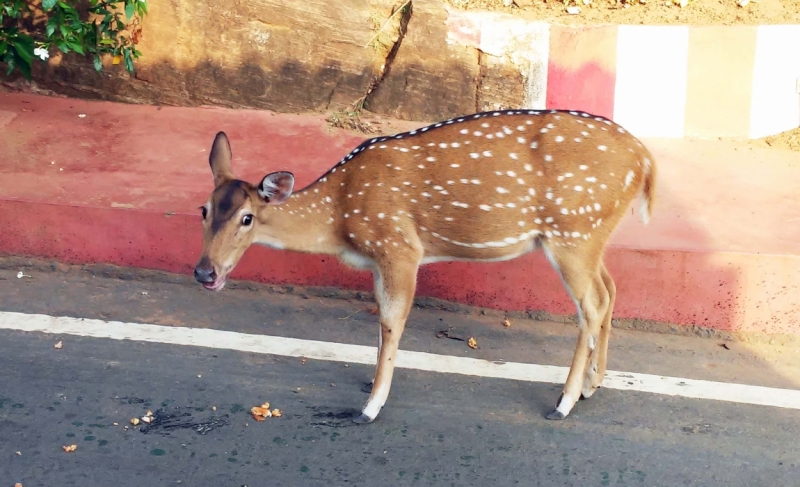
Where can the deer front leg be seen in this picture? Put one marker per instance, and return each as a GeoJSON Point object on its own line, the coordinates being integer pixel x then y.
{"type": "Point", "coordinates": [395, 285]}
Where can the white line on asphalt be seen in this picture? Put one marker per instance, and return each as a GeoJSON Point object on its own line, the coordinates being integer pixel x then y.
{"type": "Point", "coordinates": [341, 352]}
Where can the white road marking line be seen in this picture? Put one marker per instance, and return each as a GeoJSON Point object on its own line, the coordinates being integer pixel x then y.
{"type": "Point", "coordinates": [341, 352]}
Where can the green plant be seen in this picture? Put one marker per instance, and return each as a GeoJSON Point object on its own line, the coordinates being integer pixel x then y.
{"type": "Point", "coordinates": [95, 28]}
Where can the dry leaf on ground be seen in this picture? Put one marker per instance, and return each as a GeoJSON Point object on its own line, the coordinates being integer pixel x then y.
{"type": "Point", "coordinates": [260, 414]}
{"type": "Point", "coordinates": [507, 323]}
{"type": "Point", "coordinates": [472, 343]}
{"type": "Point", "coordinates": [276, 413]}
{"type": "Point", "coordinates": [134, 421]}
{"type": "Point", "coordinates": [69, 448]}
{"type": "Point", "coordinates": [58, 345]}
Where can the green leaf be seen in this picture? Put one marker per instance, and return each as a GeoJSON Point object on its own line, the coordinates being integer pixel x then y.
{"type": "Point", "coordinates": [98, 65]}
{"type": "Point", "coordinates": [64, 31]}
{"type": "Point", "coordinates": [51, 28]}
{"type": "Point", "coordinates": [3, 47]}
{"type": "Point", "coordinates": [129, 10]}
{"type": "Point", "coordinates": [48, 4]}
{"type": "Point", "coordinates": [75, 47]}
{"type": "Point", "coordinates": [24, 51]}
{"type": "Point", "coordinates": [128, 61]}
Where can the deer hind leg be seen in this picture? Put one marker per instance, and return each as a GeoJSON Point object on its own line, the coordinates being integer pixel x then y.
{"type": "Point", "coordinates": [580, 272]}
{"type": "Point", "coordinates": [367, 387]}
{"type": "Point", "coordinates": [596, 367]}
{"type": "Point", "coordinates": [395, 285]}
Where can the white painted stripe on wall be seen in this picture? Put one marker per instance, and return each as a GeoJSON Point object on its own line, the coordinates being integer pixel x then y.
{"type": "Point", "coordinates": [524, 43]}
{"type": "Point", "coordinates": [775, 104]}
{"type": "Point", "coordinates": [650, 91]}
{"type": "Point", "coordinates": [527, 45]}
{"type": "Point", "coordinates": [340, 352]}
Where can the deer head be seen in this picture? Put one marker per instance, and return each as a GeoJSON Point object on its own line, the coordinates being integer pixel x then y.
{"type": "Point", "coordinates": [234, 216]}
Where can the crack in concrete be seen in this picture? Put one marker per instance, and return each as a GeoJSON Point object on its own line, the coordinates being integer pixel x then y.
{"type": "Point", "coordinates": [405, 18]}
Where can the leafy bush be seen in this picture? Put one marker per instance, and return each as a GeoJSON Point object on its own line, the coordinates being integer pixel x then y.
{"type": "Point", "coordinates": [93, 28]}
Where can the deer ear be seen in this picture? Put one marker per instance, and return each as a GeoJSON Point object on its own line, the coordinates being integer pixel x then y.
{"type": "Point", "coordinates": [220, 159]}
{"type": "Point", "coordinates": [276, 187]}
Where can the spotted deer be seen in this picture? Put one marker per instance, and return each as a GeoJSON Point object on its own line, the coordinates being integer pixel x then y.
{"type": "Point", "coordinates": [485, 187]}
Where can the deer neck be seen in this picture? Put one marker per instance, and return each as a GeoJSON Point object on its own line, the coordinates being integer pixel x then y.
{"type": "Point", "coordinates": [303, 223]}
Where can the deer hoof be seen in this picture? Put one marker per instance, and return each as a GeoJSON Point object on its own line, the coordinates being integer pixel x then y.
{"type": "Point", "coordinates": [362, 419]}
{"type": "Point", "coordinates": [556, 415]}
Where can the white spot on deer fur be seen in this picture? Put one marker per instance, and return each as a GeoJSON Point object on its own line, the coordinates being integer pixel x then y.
{"type": "Point", "coordinates": [577, 139]}
{"type": "Point", "coordinates": [521, 140]}
{"type": "Point", "coordinates": [548, 233]}
{"type": "Point", "coordinates": [549, 196]}
{"type": "Point", "coordinates": [511, 174]}
{"type": "Point", "coordinates": [559, 138]}
{"type": "Point", "coordinates": [544, 130]}
{"type": "Point", "coordinates": [489, 136]}
{"type": "Point", "coordinates": [597, 207]}
{"type": "Point", "coordinates": [395, 189]}
{"type": "Point", "coordinates": [448, 219]}
{"type": "Point", "coordinates": [487, 153]}
{"type": "Point", "coordinates": [383, 146]}
{"type": "Point", "coordinates": [438, 188]}
{"type": "Point", "coordinates": [499, 135]}
{"type": "Point", "coordinates": [520, 181]}
{"type": "Point", "coordinates": [602, 147]}
{"type": "Point", "coordinates": [559, 201]}
{"type": "Point", "coordinates": [474, 155]}
{"type": "Point", "coordinates": [485, 125]}
{"type": "Point", "coordinates": [511, 205]}
{"type": "Point", "coordinates": [548, 158]}
{"type": "Point", "coordinates": [430, 159]}
{"type": "Point", "coordinates": [628, 179]}
{"type": "Point", "coordinates": [513, 156]}
{"type": "Point", "coordinates": [426, 194]}
{"type": "Point", "coordinates": [464, 131]}
{"type": "Point", "coordinates": [520, 128]}
{"type": "Point", "coordinates": [485, 207]}
{"type": "Point", "coordinates": [528, 167]}
{"type": "Point", "coordinates": [591, 179]}
{"type": "Point", "coordinates": [477, 133]}
{"type": "Point", "coordinates": [507, 130]}
{"type": "Point", "coordinates": [402, 149]}
{"type": "Point", "coordinates": [502, 190]}
{"type": "Point", "coordinates": [534, 145]}
{"type": "Point", "coordinates": [460, 205]}
{"type": "Point", "coordinates": [455, 144]}
{"type": "Point", "coordinates": [421, 166]}
{"type": "Point", "coordinates": [578, 188]}
{"type": "Point", "coordinates": [564, 211]}
{"type": "Point", "coordinates": [451, 183]}
{"type": "Point", "coordinates": [475, 181]}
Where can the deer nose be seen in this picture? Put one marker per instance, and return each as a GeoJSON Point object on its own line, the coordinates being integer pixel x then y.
{"type": "Point", "coordinates": [204, 272]}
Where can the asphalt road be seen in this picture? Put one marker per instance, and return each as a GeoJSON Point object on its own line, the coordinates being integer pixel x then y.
{"type": "Point", "coordinates": [436, 429]}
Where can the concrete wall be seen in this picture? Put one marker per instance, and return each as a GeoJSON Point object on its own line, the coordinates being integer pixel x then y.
{"type": "Point", "coordinates": [433, 62]}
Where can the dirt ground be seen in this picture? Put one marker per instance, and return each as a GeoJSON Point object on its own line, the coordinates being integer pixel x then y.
{"type": "Point", "coordinates": [789, 140]}
{"type": "Point", "coordinates": [652, 12]}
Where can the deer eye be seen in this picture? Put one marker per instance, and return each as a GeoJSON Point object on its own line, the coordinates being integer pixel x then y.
{"type": "Point", "coordinates": [247, 220]}
{"type": "Point", "coordinates": [205, 212]}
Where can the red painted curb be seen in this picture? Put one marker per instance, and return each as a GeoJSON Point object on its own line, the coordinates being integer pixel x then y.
{"type": "Point", "coordinates": [131, 199]}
